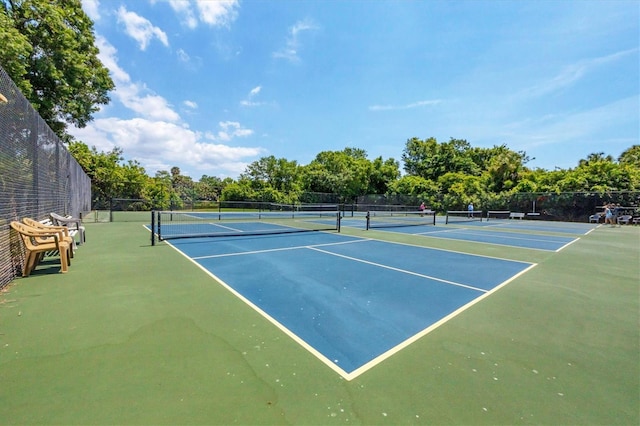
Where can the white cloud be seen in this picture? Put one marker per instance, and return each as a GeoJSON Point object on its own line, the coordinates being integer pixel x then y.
{"type": "Point", "coordinates": [159, 145]}
{"type": "Point", "coordinates": [150, 106]}
{"type": "Point", "coordinates": [109, 59]}
{"type": "Point", "coordinates": [140, 29]}
{"type": "Point", "coordinates": [402, 107]}
{"type": "Point", "coordinates": [229, 130]}
{"type": "Point", "coordinates": [572, 73]}
{"type": "Point", "coordinates": [255, 91]}
{"type": "Point", "coordinates": [576, 128]}
{"type": "Point", "coordinates": [249, 102]}
{"type": "Point", "coordinates": [158, 138]}
{"type": "Point", "coordinates": [184, 9]}
{"type": "Point", "coordinates": [293, 44]}
{"type": "Point", "coordinates": [134, 96]}
{"type": "Point", "coordinates": [218, 13]}
{"type": "Point", "coordinates": [191, 64]}
{"type": "Point", "coordinates": [183, 56]}
{"type": "Point", "coordinates": [91, 8]}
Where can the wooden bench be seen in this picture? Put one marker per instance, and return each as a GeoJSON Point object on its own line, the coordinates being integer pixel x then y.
{"type": "Point", "coordinates": [516, 215]}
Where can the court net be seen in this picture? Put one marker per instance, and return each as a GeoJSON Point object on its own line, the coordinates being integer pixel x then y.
{"type": "Point", "coordinates": [463, 216]}
{"type": "Point", "coordinates": [390, 219]}
{"type": "Point", "coordinates": [168, 225]}
{"type": "Point", "coordinates": [498, 214]}
{"type": "Point", "coordinates": [303, 207]}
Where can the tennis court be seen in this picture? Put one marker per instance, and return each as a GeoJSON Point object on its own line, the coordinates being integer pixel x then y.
{"type": "Point", "coordinates": [536, 235]}
{"type": "Point", "coordinates": [350, 301]}
{"type": "Point", "coordinates": [136, 334]}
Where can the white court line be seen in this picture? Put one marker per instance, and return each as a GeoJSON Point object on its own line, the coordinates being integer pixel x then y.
{"type": "Point", "coordinates": [567, 245]}
{"type": "Point", "coordinates": [225, 227]}
{"type": "Point", "coordinates": [358, 371]}
{"type": "Point", "coordinates": [377, 360]}
{"type": "Point", "coordinates": [272, 320]}
{"type": "Point", "coordinates": [484, 242]}
{"type": "Point", "coordinates": [545, 227]}
{"type": "Point", "coordinates": [516, 237]}
{"type": "Point", "coordinates": [278, 249]}
{"type": "Point", "coordinates": [439, 232]}
{"type": "Point", "coordinates": [468, 231]}
{"type": "Point", "coordinates": [404, 271]}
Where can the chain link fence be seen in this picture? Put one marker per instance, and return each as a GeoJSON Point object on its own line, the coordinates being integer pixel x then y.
{"type": "Point", "coordinates": [37, 174]}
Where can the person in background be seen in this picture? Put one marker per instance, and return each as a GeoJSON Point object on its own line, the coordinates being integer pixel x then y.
{"type": "Point", "coordinates": [615, 211]}
{"type": "Point", "coordinates": [470, 209]}
{"type": "Point", "coordinates": [608, 215]}
{"type": "Point", "coordinates": [422, 207]}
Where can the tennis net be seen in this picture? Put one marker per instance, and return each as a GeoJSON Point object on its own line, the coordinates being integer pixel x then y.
{"type": "Point", "coordinates": [390, 219]}
{"type": "Point", "coordinates": [463, 216]}
{"type": "Point", "coordinates": [168, 225]}
{"type": "Point", "coordinates": [498, 214]}
{"type": "Point", "coordinates": [303, 207]}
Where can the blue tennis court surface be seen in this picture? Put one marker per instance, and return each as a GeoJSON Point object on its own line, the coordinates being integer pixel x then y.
{"type": "Point", "coordinates": [571, 228]}
{"type": "Point", "coordinates": [530, 241]}
{"type": "Point", "coordinates": [350, 301]}
{"type": "Point", "coordinates": [494, 232]}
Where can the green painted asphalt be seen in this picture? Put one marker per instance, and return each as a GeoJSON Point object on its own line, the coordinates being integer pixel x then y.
{"type": "Point", "coordinates": [135, 334]}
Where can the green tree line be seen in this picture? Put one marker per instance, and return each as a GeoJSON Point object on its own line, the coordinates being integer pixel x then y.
{"type": "Point", "coordinates": [49, 51]}
{"type": "Point", "coordinates": [445, 175]}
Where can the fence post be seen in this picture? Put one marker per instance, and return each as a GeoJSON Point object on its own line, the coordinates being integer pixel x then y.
{"type": "Point", "coordinates": [153, 227]}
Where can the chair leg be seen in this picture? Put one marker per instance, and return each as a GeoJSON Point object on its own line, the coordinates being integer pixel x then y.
{"type": "Point", "coordinates": [64, 258]}
{"type": "Point", "coordinates": [30, 263]}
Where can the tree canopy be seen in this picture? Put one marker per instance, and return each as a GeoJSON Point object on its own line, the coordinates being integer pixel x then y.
{"type": "Point", "coordinates": [49, 51]}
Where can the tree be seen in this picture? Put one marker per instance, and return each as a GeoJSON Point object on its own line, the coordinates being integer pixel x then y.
{"type": "Point", "coordinates": [209, 188]}
{"type": "Point", "coordinates": [16, 49]}
{"type": "Point", "coordinates": [103, 170]}
{"type": "Point", "coordinates": [422, 189]}
{"type": "Point", "coordinates": [430, 159]}
{"type": "Point", "coordinates": [49, 51]}
{"type": "Point", "coordinates": [503, 167]}
{"type": "Point", "coordinates": [183, 186]}
{"type": "Point", "coordinates": [459, 189]}
{"type": "Point", "coordinates": [383, 173]}
{"type": "Point", "coordinates": [631, 156]}
{"type": "Point", "coordinates": [109, 177]}
{"type": "Point", "coordinates": [239, 191]}
{"type": "Point", "coordinates": [159, 190]}
{"type": "Point", "coordinates": [346, 173]}
{"type": "Point", "coordinates": [271, 172]}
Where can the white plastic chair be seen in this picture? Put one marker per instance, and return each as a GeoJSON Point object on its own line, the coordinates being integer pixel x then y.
{"type": "Point", "coordinates": [72, 223]}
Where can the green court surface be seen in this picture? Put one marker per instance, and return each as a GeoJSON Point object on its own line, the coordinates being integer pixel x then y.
{"type": "Point", "coordinates": [135, 334]}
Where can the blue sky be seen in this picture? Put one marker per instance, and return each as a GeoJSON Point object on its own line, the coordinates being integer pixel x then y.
{"type": "Point", "coordinates": [211, 86]}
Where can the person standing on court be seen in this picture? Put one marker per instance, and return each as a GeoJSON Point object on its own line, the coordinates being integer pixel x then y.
{"type": "Point", "coordinates": [608, 215]}
{"type": "Point", "coordinates": [470, 209]}
{"type": "Point", "coordinates": [422, 207]}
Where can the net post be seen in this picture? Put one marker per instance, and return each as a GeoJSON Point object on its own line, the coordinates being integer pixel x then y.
{"type": "Point", "coordinates": [338, 220]}
{"type": "Point", "coordinates": [368, 220]}
{"type": "Point", "coordinates": [153, 227]}
{"type": "Point", "coordinates": [434, 218]}
{"type": "Point", "coordinates": [159, 227]}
